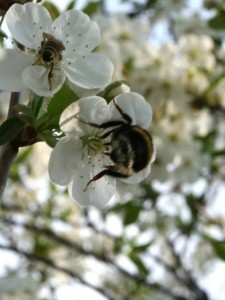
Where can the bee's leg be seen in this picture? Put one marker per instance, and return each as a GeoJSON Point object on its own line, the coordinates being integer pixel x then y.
{"type": "Point", "coordinates": [50, 75]}
{"type": "Point", "coordinates": [110, 172]}
{"type": "Point", "coordinates": [125, 116]}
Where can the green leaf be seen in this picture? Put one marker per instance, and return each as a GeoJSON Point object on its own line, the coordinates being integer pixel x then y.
{"type": "Point", "coordinates": [59, 103]}
{"type": "Point", "coordinates": [119, 243]}
{"type": "Point", "coordinates": [131, 214]}
{"type": "Point", "coordinates": [208, 142]}
{"type": "Point", "coordinates": [218, 246]}
{"type": "Point", "coordinates": [217, 22]}
{"type": "Point", "coordinates": [217, 153]}
{"type": "Point", "coordinates": [2, 36]}
{"type": "Point", "coordinates": [48, 137]}
{"type": "Point", "coordinates": [130, 211]}
{"type": "Point", "coordinates": [92, 7]}
{"type": "Point", "coordinates": [139, 264]}
{"type": "Point", "coordinates": [71, 5]}
{"type": "Point", "coordinates": [142, 248]}
{"type": "Point", "coordinates": [25, 113]}
{"type": "Point", "coordinates": [52, 9]}
{"type": "Point", "coordinates": [215, 81]}
{"type": "Point", "coordinates": [128, 66]}
{"type": "Point", "coordinates": [112, 90]}
{"type": "Point", "coordinates": [9, 129]}
{"type": "Point", "coordinates": [65, 214]}
{"type": "Point", "coordinates": [36, 104]}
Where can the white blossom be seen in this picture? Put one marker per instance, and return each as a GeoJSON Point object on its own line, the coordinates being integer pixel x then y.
{"type": "Point", "coordinates": [71, 38]}
{"type": "Point", "coordinates": [81, 154]}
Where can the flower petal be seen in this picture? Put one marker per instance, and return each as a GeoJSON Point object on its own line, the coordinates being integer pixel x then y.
{"type": "Point", "coordinates": [37, 79]}
{"type": "Point", "coordinates": [93, 70]}
{"type": "Point", "coordinates": [27, 23]}
{"type": "Point", "coordinates": [135, 106]}
{"type": "Point", "coordinates": [90, 109]}
{"type": "Point", "coordinates": [12, 64]}
{"type": "Point", "coordinates": [77, 32]}
{"type": "Point", "coordinates": [98, 193]}
{"type": "Point", "coordinates": [64, 160]}
{"type": "Point", "coordinates": [138, 177]}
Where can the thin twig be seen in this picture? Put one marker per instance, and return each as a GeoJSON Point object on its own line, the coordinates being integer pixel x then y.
{"type": "Point", "coordinates": [198, 293]}
{"type": "Point", "coordinates": [8, 152]}
{"type": "Point", "coordinates": [70, 244]}
{"type": "Point", "coordinates": [50, 263]}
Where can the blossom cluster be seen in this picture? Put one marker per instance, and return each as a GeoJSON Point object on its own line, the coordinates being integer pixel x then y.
{"type": "Point", "coordinates": [175, 78]}
{"type": "Point", "coordinates": [59, 49]}
{"type": "Point", "coordinates": [100, 141]}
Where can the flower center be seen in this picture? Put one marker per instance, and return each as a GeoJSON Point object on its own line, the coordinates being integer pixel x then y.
{"type": "Point", "coordinates": [93, 145]}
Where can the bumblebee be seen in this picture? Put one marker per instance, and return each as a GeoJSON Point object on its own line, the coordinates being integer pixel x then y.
{"type": "Point", "coordinates": [131, 147]}
{"type": "Point", "coordinates": [50, 53]}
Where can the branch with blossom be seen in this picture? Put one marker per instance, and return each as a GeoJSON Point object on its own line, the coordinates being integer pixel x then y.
{"type": "Point", "coordinates": [59, 51]}
{"type": "Point", "coordinates": [59, 76]}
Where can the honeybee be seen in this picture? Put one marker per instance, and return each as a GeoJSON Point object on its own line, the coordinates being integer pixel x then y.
{"type": "Point", "coordinates": [131, 147]}
{"type": "Point", "coordinates": [50, 53]}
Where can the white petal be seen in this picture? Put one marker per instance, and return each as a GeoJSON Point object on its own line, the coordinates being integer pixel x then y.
{"type": "Point", "coordinates": [138, 177]}
{"type": "Point", "coordinates": [12, 64]}
{"type": "Point", "coordinates": [98, 193]}
{"type": "Point", "coordinates": [77, 32]}
{"type": "Point", "coordinates": [27, 23]}
{"type": "Point", "coordinates": [135, 106]}
{"type": "Point", "coordinates": [64, 160]}
{"type": "Point", "coordinates": [37, 79]}
{"type": "Point", "coordinates": [89, 109]}
{"type": "Point", "coordinates": [93, 70]}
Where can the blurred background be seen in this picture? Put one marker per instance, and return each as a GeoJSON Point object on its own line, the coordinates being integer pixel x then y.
{"type": "Point", "coordinates": [161, 239]}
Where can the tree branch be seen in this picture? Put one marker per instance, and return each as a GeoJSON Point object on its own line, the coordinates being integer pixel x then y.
{"type": "Point", "coordinates": [102, 258]}
{"type": "Point", "coordinates": [50, 263]}
{"type": "Point", "coordinates": [8, 152]}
